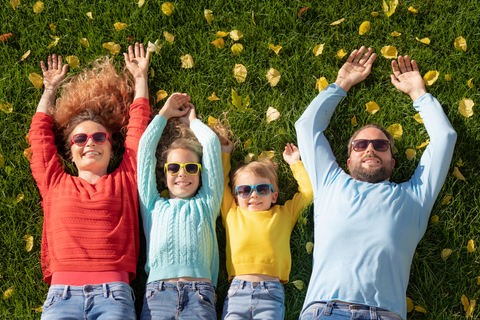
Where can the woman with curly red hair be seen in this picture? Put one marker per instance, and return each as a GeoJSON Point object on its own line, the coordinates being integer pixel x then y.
{"type": "Point", "coordinates": [90, 242]}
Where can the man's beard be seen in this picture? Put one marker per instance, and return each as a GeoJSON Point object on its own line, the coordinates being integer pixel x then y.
{"type": "Point", "coordinates": [371, 175]}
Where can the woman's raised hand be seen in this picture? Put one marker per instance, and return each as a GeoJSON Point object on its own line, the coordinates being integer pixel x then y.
{"type": "Point", "coordinates": [137, 61]}
{"type": "Point", "coordinates": [54, 74]}
{"type": "Point", "coordinates": [356, 69]}
{"type": "Point", "coordinates": [190, 115]}
{"type": "Point", "coordinates": [407, 78]}
{"type": "Point", "coordinates": [176, 106]}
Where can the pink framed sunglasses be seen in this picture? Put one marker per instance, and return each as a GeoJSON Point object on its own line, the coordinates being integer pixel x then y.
{"type": "Point", "coordinates": [100, 137]}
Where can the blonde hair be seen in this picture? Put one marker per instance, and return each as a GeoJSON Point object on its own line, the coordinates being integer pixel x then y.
{"type": "Point", "coordinates": [263, 168]}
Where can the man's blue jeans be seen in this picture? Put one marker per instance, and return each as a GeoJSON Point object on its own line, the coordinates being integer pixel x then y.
{"type": "Point", "coordinates": [108, 301]}
{"type": "Point", "coordinates": [345, 311]}
{"type": "Point", "coordinates": [254, 300]}
{"type": "Point", "coordinates": [179, 300]}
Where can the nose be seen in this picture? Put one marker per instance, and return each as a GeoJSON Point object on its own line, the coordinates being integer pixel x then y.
{"type": "Point", "coordinates": [90, 142]}
{"type": "Point", "coordinates": [182, 172]}
{"type": "Point", "coordinates": [370, 148]}
{"type": "Point", "coordinates": [254, 194]}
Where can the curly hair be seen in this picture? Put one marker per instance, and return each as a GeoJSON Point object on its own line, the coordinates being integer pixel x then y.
{"type": "Point", "coordinates": [263, 168]}
{"type": "Point", "coordinates": [99, 94]}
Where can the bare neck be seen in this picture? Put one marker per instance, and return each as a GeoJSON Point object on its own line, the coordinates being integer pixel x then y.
{"type": "Point", "coordinates": [92, 176]}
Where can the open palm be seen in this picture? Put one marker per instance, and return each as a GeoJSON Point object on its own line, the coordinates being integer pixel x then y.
{"type": "Point", "coordinates": [55, 73]}
{"type": "Point", "coordinates": [407, 78]}
{"type": "Point", "coordinates": [356, 69]}
{"type": "Point", "coordinates": [136, 60]}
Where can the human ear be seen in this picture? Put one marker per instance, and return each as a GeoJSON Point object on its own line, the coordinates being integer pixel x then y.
{"type": "Point", "coordinates": [348, 163]}
{"type": "Point", "coordinates": [274, 197]}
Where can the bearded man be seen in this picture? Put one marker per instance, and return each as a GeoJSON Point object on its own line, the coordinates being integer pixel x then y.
{"type": "Point", "coordinates": [367, 227]}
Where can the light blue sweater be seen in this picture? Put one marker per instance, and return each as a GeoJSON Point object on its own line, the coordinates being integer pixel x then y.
{"type": "Point", "coordinates": [181, 238]}
{"type": "Point", "coordinates": [366, 234]}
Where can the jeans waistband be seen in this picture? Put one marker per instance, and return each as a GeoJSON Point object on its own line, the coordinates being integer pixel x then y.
{"type": "Point", "coordinates": [90, 290]}
{"type": "Point", "coordinates": [180, 285]}
{"type": "Point", "coordinates": [262, 284]}
{"type": "Point", "coordinates": [346, 306]}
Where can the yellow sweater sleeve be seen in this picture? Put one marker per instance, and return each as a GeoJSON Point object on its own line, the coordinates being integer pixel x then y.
{"type": "Point", "coordinates": [228, 199]}
{"type": "Point", "coordinates": [302, 199]}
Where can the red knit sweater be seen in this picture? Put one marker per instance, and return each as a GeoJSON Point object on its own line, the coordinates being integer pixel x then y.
{"type": "Point", "coordinates": [88, 227]}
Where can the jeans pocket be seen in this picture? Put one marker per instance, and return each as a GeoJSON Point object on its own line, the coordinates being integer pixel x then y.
{"type": "Point", "coordinates": [123, 298]}
{"type": "Point", "coordinates": [52, 300]}
{"type": "Point", "coordinates": [150, 294]}
{"type": "Point", "coordinates": [312, 314]}
{"type": "Point", "coordinates": [206, 297]}
{"type": "Point", "coordinates": [276, 294]}
{"type": "Point", "coordinates": [232, 290]}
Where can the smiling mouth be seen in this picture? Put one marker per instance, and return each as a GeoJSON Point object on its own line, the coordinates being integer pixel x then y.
{"type": "Point", "coordinates": [254, 203]}
{"type": "Point", "coordinates": [91, 153]}
{"type": "Point", "coordinates": [183, 184]}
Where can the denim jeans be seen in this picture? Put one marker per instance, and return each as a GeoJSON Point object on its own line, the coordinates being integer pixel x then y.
{"type": "Point", "coordinates": [345, 311]}
{"type": "Point", "coordinates": [179, 300]}
{"type": "Point", "coordinates": [254, 300]}
{"type": "Point", "coordinates": [106, 301]}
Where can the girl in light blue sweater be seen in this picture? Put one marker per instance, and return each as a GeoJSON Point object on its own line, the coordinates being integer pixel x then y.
{"type": "Point", "coordinates": [182, 250]}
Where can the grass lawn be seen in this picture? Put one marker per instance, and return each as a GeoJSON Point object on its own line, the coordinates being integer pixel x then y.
{"type": "Point", "coordinates": [435, 285]}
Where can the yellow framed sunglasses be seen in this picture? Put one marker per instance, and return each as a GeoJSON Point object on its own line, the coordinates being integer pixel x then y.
{"type": "Point", "coordinates": [173, 168]}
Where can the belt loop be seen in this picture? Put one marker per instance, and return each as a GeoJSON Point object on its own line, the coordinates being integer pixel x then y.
{"type": "Point", "coordinates": [133, 294]}
{"type": "Point", "coordinates": [373, 313]}
{"type": "Point", "coordinates": [194, 286]}
{"type": "Point", "coordinates": [160, 286]}
{"type": "Point", "coordinates": [328, 308]}
{"type": "Point", "coordinates": [262, 283]}
{"type": "Point", "coordinates": [65, 289]}
{"type": "Point", "coordinates": [105, 291]}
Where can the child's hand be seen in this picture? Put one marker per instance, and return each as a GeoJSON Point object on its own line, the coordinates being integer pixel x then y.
{"type": "Point", "coordinates": [228, 148]}
{"type": "Point", "coordinates": [291, 154]}
{"type": "Point", "coordinates": [176, 106]}
{"type": "Point", "coordinates": [54, 74]}
{"type": "Point", "coordinates": [190, 115]}
{"type": "Point", "coordinates": [137, 63]}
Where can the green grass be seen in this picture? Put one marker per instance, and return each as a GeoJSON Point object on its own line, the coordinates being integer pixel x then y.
{"type": "Point", "coordinates": [435, 284]}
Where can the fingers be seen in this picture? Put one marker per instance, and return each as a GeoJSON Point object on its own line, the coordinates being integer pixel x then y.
{"type": "Point", "coordinates": [394, 80]}
{"type": "Point", "coordinates": [42, 65]}
{"type": "Point", "coordinates": [352, 55]}
{"type": "Point", "coordinates": [130, 53]}
{"type": "Point", "coordinates": [137, 50]}
{"type": "Point", "coordinates": [401, 63]}
{"type": "Point", "coordinates": [414, 65]}
{"type": "Point", "coordinates": [368, 58]}
{"type": "Point", "coordinates": [59, 63]}
{"type": "Point", "coordinates": [49, 61]}
{"type": "Point", "coordinates": [395, 69]}
{"type": "Point", "coordinates": [408, 65]}
{"type": "Point", "coordinates": [148, 55]}
{"type": "Point", "coordinates": [64, 70]}
{"type": "Point", "coordinates": [359, 54]}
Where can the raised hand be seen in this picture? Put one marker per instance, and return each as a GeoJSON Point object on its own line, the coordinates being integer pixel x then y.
{"type": "Point", "coordinates": [136, 61]}
{"type": "Point", "coordinates": [356, 69]}
{"type": "Point", "coordinates": [291, 154]}
{"type": "Point", "coordinates": [190, 115]}
{"type": "Point", "coordinates": [227, 148]}
{"type": "Point", "coordinates": [176, 106]}
{"type": "Point", "coordinates": [54, 74]}
{"type": "Point", "coordinates": [406, 77]}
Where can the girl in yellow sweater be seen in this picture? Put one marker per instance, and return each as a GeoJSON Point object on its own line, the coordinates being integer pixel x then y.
{"type": "Point", "coordinates": [258, 234]}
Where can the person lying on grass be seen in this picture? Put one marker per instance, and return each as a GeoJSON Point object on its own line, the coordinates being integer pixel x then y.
{"type": "Point", "coordinates": [90, 242]}
{"type": "Point", "coordinates": [367, 227]}
{"type": "Point", "coordinates": [182, 250]}
{"type": "Point", "coordinates": [258, 234]}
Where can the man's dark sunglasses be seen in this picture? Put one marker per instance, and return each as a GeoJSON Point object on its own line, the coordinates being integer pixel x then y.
{"type": "Point", "coordinates": [378, 144]}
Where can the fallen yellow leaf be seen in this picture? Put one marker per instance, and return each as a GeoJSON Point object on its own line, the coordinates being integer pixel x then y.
{"type": "Point", "coordinates": [248, 158]}
{"type": "Point", "coordinates": [36, 80]}
{"type": "Point", "coordinates": [8, 293]}
{"type": "Point", "coordinates": [470, 83]}
{"type": "Point", "coordinates": [2, 161]}
{"type": "Point", "coordinates": [364, 28]}
{"type": "Point", "coordinates": [54, 42]}
{"type": "Point", "coordinates": [446, 253]}
{"type": "Point", "coordinates": [212, 121]}
{"type": "Point", "coordinates": [337, 22]}
{"type": "Point", "coordinates": [461, 43]}
{"type": "Point", "coordinates": [465, 302]}
{"type": "Point", "coordinates": [73, 61]}
{"type": "Point", "coordinates": [448, 77]}
{"type": "Point", "coordinates": [84, 42]}
{"type": "Point", "coordinates": [266, 155]}
{"type": "Point", "coordinates": [39, 309]}
{"type": "Point", "coordinates": [460, 163]}
{"type": "Point", "coordinates": [469, 312]}
{"type": "Point", "coordinates": [240, 72]}
{"type": "Point", "coordinates": [298, 284]}
{"type": "Point", "coordinates": [141, 3]}
{"type": "Point", "coordinates": [309, 247]}
{"type": "Point", "coordinates": [372, 107]}
{"type": "Point", "coordinates": [340, 54]}
{"type": "Point", "coordinates": [389, 10]}
{"type": "Point", "coordinates": [434, 219]}
{"type": "Point", "coordinates": [471, 246]}
{"type": "Point", "coordinates": [321, 84]}
{"type": "Point", "coordinates": [38, 7]}
{"type": "Point", "coordinates": [237, 102]}
{"type": "Point", "coordinates": [15, 3]}
{"type": "Point", "coordinates": [112, 47]}
{"type": "Point", "coordinates": [52, 26]}
{"type": "Point", "coordinates": [478, 281]}
{"type": "Point", "coordinates": [430, 77]}
{"type": "Point", "coordinates": [374, 14]}
{"type": "Point", "coordinates": [410, 154]}
{"type": "Point", "coordinates": [235, 35]}
{"type": "Point", "coordinates": [219, 43]}
{"type": "Point", "coordinates": [236, 48]}
{"type": "Point", "coordinates": [222, 34]}
{"type": "Point", "coordinates": [318, 49]}
{"type": "Point", "coordinates": [420, 309]}
{"type": "Point", "coordinates": [272, 114]}
{"type": "Point", "coordinates": [273, 76]}
{"type": "Point", "coordinates": [466, 107]}
{"type": "Point", "coordinates": [424, 40]}
{"type": "Point", "coordinates": [161, 94]}
{"type": "Point", "coordinates": [89, 14]}
{"type": "Point", "coordinates": [275, 49]}
{"type": "Point", "coordinates": [154, 47]}
{"type": "Point", "coordinates": [247, 144]}
{"type": "Point", "coordinates": [187, 61]}
{"type": "Point", "coordinates": [169, 37]}
{"type": "Point", "coordinates": [395, 130]}
{"type": "Point", "coordinates": [410, 305]}
{"type": "Point", "coordinates": [165, 194]}
{"type": "Point", "coordinates": [208, 15]}
{"type": "Point", "coordinates": [395, 34]}
{"type": "Point", "coordinates": [424, 144]}
{"type": "Point", "coordinates": [389, 52]}
{"type": "Point", "coordinates": [20, 197]}
{"type": "Point", "coordinates": [412, 9]}
{"type": "Point", "coordinates": [167, 8]}
{"type": "Point", "coordinates": [446, 200]}
{"type": "Point", "coordinates": [418, 118]}
{"type": "Point", "coordinates": [152, 73]}
{"type": "Point", "coordinates": [213, 97]}
{"type": "Point", "coordinates": [29, 242]}
{"type": "Point", "coordinates": [6, 107]}
{"type": "Point", "coordinates": [27, 153]}
{"type": "Point", "coordinates": [354, 121]}
{"type": "Point", "coordinates": [120, 26]}
{"type": "Point", "coordinates": [457, 174]}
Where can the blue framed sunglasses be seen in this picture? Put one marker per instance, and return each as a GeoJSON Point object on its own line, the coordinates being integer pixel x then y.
{"type": "Point", "coordinates": [245, 190]}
